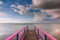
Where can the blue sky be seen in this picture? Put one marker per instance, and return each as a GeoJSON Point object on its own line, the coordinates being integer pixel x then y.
{"type": "Point", "coordinates": [6, 9]}
{"type": "Point", "coordinates": [20, 11]}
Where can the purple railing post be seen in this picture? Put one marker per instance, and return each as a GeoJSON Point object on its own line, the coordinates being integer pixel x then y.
{"type": "Point", "coordinates": [38, 33]}
{"type": "Point", "coordinates": [24, 31]}
{"type": "Point", "coordinates": [45, 37]}
{"type": "Point", "coordinates": [17, 37]}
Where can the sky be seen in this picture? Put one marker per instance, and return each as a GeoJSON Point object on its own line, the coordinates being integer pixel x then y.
{"type": "Point", "coordinates": [26, 11]}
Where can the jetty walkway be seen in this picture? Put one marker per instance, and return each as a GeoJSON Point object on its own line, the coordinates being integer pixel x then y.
{"type": "Point", "coordinates": [26, 34]}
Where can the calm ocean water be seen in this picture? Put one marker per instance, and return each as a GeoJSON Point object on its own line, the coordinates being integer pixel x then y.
{"type": "Point", "coordinates": [7, 29]}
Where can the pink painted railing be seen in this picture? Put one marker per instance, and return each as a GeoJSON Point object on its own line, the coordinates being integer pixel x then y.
{"type": "Point", "coordinates": [43, 35]}
{"type": "Point", "coordinates": [19, 35]}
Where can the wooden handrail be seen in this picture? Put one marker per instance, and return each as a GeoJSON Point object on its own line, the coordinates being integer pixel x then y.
{"type": "Point", "coordinates": [45, 34]}
{"type": "Point", "coordinates": [15, 34]}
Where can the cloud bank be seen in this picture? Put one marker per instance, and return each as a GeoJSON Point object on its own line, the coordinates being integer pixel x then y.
{"type": "Point", "coordinates": [55, 13]}
{"type": "Point", "coordinates": [20, 9]}
{"type": "Point", "coordinates": [46, 4]}
{"type": "Point", "coordinates": [50, 8]}
{"type": "Point", "coordinates": [24, 11]}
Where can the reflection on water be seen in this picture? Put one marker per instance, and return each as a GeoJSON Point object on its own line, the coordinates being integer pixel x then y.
{"type": "Point", "coordinates": [8, 29]}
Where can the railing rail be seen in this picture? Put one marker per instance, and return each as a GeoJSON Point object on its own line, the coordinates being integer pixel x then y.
{"type": "Point", "coordinates": [43, 34]}
{"type": "Point", "coordinates": [23, 30]}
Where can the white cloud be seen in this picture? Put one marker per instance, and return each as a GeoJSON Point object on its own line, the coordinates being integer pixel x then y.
{"type": "Point", "coordinates": [55, 13]}
{"type": "Point", "coordinates": [1, 2]}
{"type": "Point", "coordinates": [20, 7]}
{"type": "Point", "coordinates": [46, 4]}
{"type": "Point", "coordinates": [3, 14]}
{"type": "Point", "coordinates": [7, 20]}
{"type": "Point", "coordinates": [42, 17]}
{"type": "Point", "coordinates": [12, 6]}
{"type": "Point", "coordinates": [36, 2]}
{"type": "Point", "coordinates": [11, 20]}
{"type": "Point", "coordinates": [39, 17]}
{"type": "Point", "coordinates": [22, 10]}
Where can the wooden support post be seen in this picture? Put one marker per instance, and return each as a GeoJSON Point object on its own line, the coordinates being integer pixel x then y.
{"type": "Point", "coordinates": [26, 28]}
